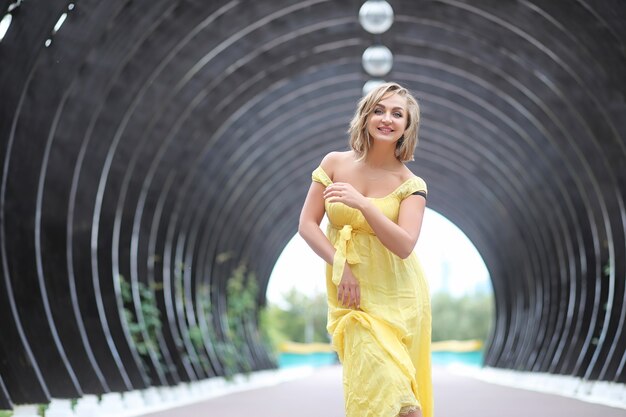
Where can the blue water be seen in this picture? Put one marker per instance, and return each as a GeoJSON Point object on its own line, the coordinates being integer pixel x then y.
{"type": "Point", "coordinates": [286, 360]}
{"type": "Point", "coordinates": [474, 358]}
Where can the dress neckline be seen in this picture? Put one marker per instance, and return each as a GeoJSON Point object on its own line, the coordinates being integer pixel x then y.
{"type": "Point", "coordinates": [372, 198]}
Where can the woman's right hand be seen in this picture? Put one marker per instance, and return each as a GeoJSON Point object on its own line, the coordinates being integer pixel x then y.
{"type": "Point", "coordinates": [349, 291]}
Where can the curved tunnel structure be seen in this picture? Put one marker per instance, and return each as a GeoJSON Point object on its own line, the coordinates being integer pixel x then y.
{"type": "Point", "coordinates": [170, 141]}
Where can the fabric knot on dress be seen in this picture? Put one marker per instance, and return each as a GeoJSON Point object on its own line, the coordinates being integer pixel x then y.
{"type": "Point", "coordinates": [345, 252]}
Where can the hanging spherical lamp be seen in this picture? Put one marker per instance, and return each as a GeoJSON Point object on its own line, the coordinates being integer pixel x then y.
{"type": "Point", "coordinates": [377, 60]}
{"type": "Point", "coordinates": [370, 85]}
{"type": "Point", "coordinates": [376, 16]}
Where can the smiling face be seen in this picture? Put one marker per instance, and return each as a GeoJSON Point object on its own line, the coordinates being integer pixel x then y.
{"type": "Point", "coordinates": [383, 116]}
{"type": "Point", "coordinates": [388, 120]}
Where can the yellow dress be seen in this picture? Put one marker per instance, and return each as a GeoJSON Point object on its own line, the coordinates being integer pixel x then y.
{"type": "Point", "coordinates": [384, 346]}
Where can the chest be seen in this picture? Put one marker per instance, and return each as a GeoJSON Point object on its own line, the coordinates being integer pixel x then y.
{"type": "Point", "coordinates": [376, 189]}
{"type": "Point", "coordinates": [340, 214]}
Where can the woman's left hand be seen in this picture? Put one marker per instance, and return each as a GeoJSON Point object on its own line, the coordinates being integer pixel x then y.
{"type": "Point", "coordinates": [342, 192]}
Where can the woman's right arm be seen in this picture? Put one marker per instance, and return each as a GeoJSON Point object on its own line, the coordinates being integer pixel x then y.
{"type": "Point", "coordinates": [348, 290]}
{"type": "Point", "coordinates": [310, 219]}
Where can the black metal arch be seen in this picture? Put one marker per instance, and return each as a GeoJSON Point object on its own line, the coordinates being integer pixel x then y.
{"type": "Point", "coordinates": [169, 143]}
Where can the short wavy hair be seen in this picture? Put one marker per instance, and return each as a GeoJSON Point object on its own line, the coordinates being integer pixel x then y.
{"type": "Point", "coordinates": [359, 137]}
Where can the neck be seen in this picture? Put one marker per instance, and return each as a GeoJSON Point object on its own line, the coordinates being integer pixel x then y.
{"type": "Point", "coordinates": [382, 155]}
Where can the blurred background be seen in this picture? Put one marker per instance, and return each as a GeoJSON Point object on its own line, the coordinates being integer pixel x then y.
{"type": "Point", "coordinates": [155, 156]}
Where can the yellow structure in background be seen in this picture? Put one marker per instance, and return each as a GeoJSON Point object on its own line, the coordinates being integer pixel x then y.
{"type": "Point", "coordinates": [456, 346]}
{"type": "Point", "coordinates": [444, 346]}
{"type": "Point", "coordinates": [304, 348]}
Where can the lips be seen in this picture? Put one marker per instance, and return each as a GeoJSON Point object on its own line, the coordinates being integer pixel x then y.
{"type": "Point", "coordinates": [385, 130]}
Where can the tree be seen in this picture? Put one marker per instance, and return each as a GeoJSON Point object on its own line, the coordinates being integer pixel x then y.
{"type": "Point", "coordinates": [462, 318]}
{"type": "Point", "coordinates": [303, 319]}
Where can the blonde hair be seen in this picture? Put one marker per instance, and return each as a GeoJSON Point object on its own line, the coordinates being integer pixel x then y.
{"type": "Point", "coordinates": [359, 137]}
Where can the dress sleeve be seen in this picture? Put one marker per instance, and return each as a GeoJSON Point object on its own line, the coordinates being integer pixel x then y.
{"type": "Point", "coordinates": [415, 186]}
{"type": "Point", "coordinates": [318, 175]}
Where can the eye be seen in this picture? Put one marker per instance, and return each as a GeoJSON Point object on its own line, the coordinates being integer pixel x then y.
{"type": "Point", "coordinates": [378, 111]}
{"type": "Point", "coordinates": [398, 114]}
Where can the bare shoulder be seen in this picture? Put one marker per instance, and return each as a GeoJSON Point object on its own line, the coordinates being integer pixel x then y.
{"type": "Point", "coordinates": [407, 174]}
{"type": "Point", "coordinates": [334, 159]}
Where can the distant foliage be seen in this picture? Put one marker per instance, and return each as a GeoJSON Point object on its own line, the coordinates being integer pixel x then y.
{"type": "Point", "coordinates": [302, 319]}
{"type": "Point", "coordinates": [242, 290]}
{"type": "Point", "coordinates": [144, 335]}
{"type": "Point", "coordinates": [461, 318]}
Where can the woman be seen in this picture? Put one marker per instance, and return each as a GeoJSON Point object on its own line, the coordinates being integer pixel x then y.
{"type": "Point", "coordinates": [378, 300]}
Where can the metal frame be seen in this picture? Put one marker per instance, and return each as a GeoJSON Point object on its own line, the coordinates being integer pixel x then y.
{"type": "Point", "coordinates": [146, 137]}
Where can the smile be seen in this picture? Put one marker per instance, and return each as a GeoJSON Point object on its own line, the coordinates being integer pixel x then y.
{"type": "Point", "coordinates": [385, 130]}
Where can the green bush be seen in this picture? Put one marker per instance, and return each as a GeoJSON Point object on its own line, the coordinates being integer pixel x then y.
{"type": "Point", "coordinates": [302, 319]}
{"type": "Point", "coordinates": [241, 294]}
{"type": "Point", "coordinates": [461, 318]}
{"type": "Point", "coordinates": [152, 320]}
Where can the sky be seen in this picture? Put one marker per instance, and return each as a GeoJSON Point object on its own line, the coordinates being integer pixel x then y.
{"type": "Point", "coordinates": [451, 262]}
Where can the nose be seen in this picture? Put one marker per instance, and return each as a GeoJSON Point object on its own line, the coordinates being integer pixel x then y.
{"type": "Point", "coordinates": [386, 117]}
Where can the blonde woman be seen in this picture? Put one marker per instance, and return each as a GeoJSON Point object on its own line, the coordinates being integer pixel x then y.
{"type": "Point", "coordinates": [378, 299]}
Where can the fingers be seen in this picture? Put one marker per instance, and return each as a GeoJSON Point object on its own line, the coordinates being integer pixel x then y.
{"type": "Point", "coordinates": [335, 188]}
{"type": "Point", "coordinates": [341, 293]}
{"type": "Point", "coordinates": [349, 290]}
{"type": "Point", "coordinates": [350, 299]}
{"type": "Point", "coordinates": [345, 296]}
{"type": "Point", "coordinates": [342, 193]}
{"type": "Point", "coordinates": [349, 296]}
{"type": "Point", "coordinates": [332, 191]}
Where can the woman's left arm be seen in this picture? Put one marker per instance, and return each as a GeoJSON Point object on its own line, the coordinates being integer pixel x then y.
{"type": "Point", "coordinates": [399, 238]}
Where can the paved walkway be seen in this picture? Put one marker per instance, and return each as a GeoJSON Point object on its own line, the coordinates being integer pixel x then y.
{"type": "Point", "coordinates": [320, 395]}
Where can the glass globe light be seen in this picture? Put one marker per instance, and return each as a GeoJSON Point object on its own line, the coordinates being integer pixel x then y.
{"type": "Point", "coordinates": [376, 16]}
{"type": "Point", "coordinates": [370, 85]}
{"type": "Point", "coordinates": [377, 60]}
